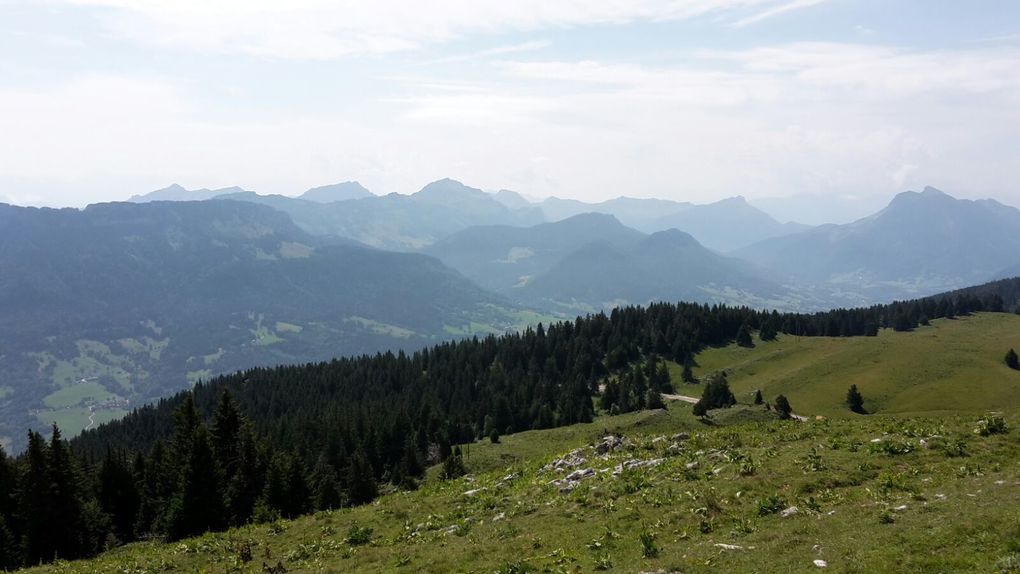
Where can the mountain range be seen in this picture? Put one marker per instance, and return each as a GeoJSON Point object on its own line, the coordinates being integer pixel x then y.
{"type": "Point", "coordinates": [592, 261]}
{"type": "Point", "coordinates": [123, 303]}
{"type": "Point", "coordinates": [922, 242]}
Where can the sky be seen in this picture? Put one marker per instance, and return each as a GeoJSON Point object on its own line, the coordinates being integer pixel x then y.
{"type": "Point", "coordinates": [693, 100]}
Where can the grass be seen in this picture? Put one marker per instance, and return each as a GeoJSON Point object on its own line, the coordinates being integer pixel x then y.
{"type": "Point", "coordinates": [955, 365]}
{"type": "Point", "coordinates": [282, 327]}
{"type": "Point", "coordinates": [924, 486]}
{"type": "Point", "coordinates": [73, 420]}
{"type": "Point", "coordinates": [713, 503]}
{"type": "Point", "coordinates": [380, 328]}
{"type": "Point", "coordinates": [78, 394]}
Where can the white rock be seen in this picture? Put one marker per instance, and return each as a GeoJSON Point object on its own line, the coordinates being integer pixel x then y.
{"type": "Point", "coordinates": [728, 546]}
{"type": "Point", "coordinates": [900, 508]}
{"type": "Point", "coordinates": [789, 512]}
{"type": "Point", "coordinates": [821, 564]}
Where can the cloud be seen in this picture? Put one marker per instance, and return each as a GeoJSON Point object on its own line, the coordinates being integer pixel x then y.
{"type": "Point", "coordinates": [495, 51]}
{"type": "Point", "coordinates": [823, 118]}
{"type": "Point", "coordinates": [776, 11]}
{"type": "Point", "coordinates": [325, 29]}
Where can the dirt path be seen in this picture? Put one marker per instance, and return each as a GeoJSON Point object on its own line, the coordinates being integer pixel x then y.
{"type": "Point", "coordinates": [692, 400]}
{"type": "Point", "coordinates": [92, 418]}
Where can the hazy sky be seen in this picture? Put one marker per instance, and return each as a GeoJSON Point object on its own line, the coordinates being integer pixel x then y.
{"type": "Point", "coordinates": [591, 99]}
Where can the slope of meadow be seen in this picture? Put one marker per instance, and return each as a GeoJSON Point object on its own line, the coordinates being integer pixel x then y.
{"type": "Point", "coordinates": [875, 494]}
{"type": "Point", "coordinates": [954, 365]}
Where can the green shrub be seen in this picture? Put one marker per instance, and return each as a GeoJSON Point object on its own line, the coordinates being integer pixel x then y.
{"type": "Point", "coordinates": [991, 425]}
{"type": "Point", "coordinates": [648, 547]}
{"type": "Point", "coordinates": [359, 535]}
{"type": "Point", "coordinates": [770, 505]}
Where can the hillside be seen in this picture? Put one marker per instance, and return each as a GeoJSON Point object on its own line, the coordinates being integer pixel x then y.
{"type": "Point", "coordinates": [664, 266]}
{"type": "Point", "coordinates": [671, 495]}
{"type": "Point", "coordinates": [120, 304]}
{"type": "Point", "coordinates": [284, 441]}
{"type": "Point", "coordinates": [592, 261]}
{"type": "Point", "coordinates": [920, 243]}
{"type": "Point", "coordinates": [951, 366]}
{"type": "Point", "coordinates": [503, 257]}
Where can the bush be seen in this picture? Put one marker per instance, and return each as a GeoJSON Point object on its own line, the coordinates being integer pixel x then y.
{"type": "Point", "coordinates": [648, 547]}
{"type": "Point", "coordinates": [771, 505]}
{"type": "Point", "coordinates": [991, 425]}
{"type": "Point", "coordinates": [359, 535]}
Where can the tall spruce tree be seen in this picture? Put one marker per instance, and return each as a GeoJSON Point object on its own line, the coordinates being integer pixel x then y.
{"type": "Point", "coordinates": [361, 485]}
{"type": "Point", "coordinates": [65, 499]}
{"type": "Point", "coordinates": [1012, 361]}
{"type": "Point", "coordinates": [783, 408]}
{"type": "Point", "coordinates": [36, 509]}
{"type": "Point", "coordinates": [118, 495]}
{"type": "Point", "coordinates": [855, 400]}
{"type": "Point", "coordinates": [197, 504]}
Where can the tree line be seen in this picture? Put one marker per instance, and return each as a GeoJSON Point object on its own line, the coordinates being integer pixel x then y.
{"type": "Point", "coordinates": [282, 441]}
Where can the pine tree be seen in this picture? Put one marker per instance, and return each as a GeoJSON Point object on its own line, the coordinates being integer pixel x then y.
{"type": "Point", "coordinates": [35, 509]}
{"type": "Point", "coordinates": [743, 337]}
{"type": "Point", "coordinates": [453, 466]}
{"type": "Point", "coordinates": [783, 408]}
{"type": "Point", "coordinates": [298, 494]}
{"type": "Point", "coordinates": [244, 487]}
{"type": "Point", "coordinates": [325, 486]}
{"type": "Point", "coordinates": [8, 551]}
{"type": "Point", "coordinates": [1012, 361]}
{"type": "Point", "coordinates": [197, 505]}
{"type": "Point", "coordinates": [854, 400]}
{"type": "Point", "coordinates": [653, 400]}
{"type": "Point", "coordinates": [118, 495]}
{"type": "Point", "coordinates": [64, 499]}
{"type": "Point", "coordinates": [361, 486]}
{"type": "Point", "coordinates": [226, 430]}
{"type": "Point", "coordinates": [758, 399]}
{"type": "Point", "coordinates": [687, 375]}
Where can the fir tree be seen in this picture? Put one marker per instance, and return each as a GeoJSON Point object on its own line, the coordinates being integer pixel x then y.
{"type": "Point", "coordinates": [36, 509]}
{"type": "Point", "coordinates": [65, 499]}
{"type": "Point", "coordinates": [361, 486]}
{"type": "Point", "coordinates": [197, 505]}
{"type": "Point", "coordinates": [758, 399]}
{"type": "Point", "coordinates": [653, 400]}
{"type": "Point", "coordinates": [782, 406]}
{"type": "Point", "coordinates": [118, 495]}
{"type": "Point", "coordinates": [1011, 360]}
{"type": "Point", "coordinates": [855, 400]}
{"type": "Point", "coordinates": [687, 375]}
{"type": "Point", "coordinates": [743, 337]}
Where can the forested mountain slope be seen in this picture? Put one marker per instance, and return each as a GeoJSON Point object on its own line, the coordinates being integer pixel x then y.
{"type": "Point", "coordinates": [120, 304]}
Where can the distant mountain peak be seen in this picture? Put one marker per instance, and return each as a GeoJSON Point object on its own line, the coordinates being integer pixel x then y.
{"type": "Point", "coordinates": [928, 194]}
{"type": "Point", "coordinates": [342, 191]}
{"type": "Point", "coordinates": [447, 189]}
{"type": "Point", "coordinates": [672, 238]}
{"type": "Point", "coordinates": [931, 191]}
